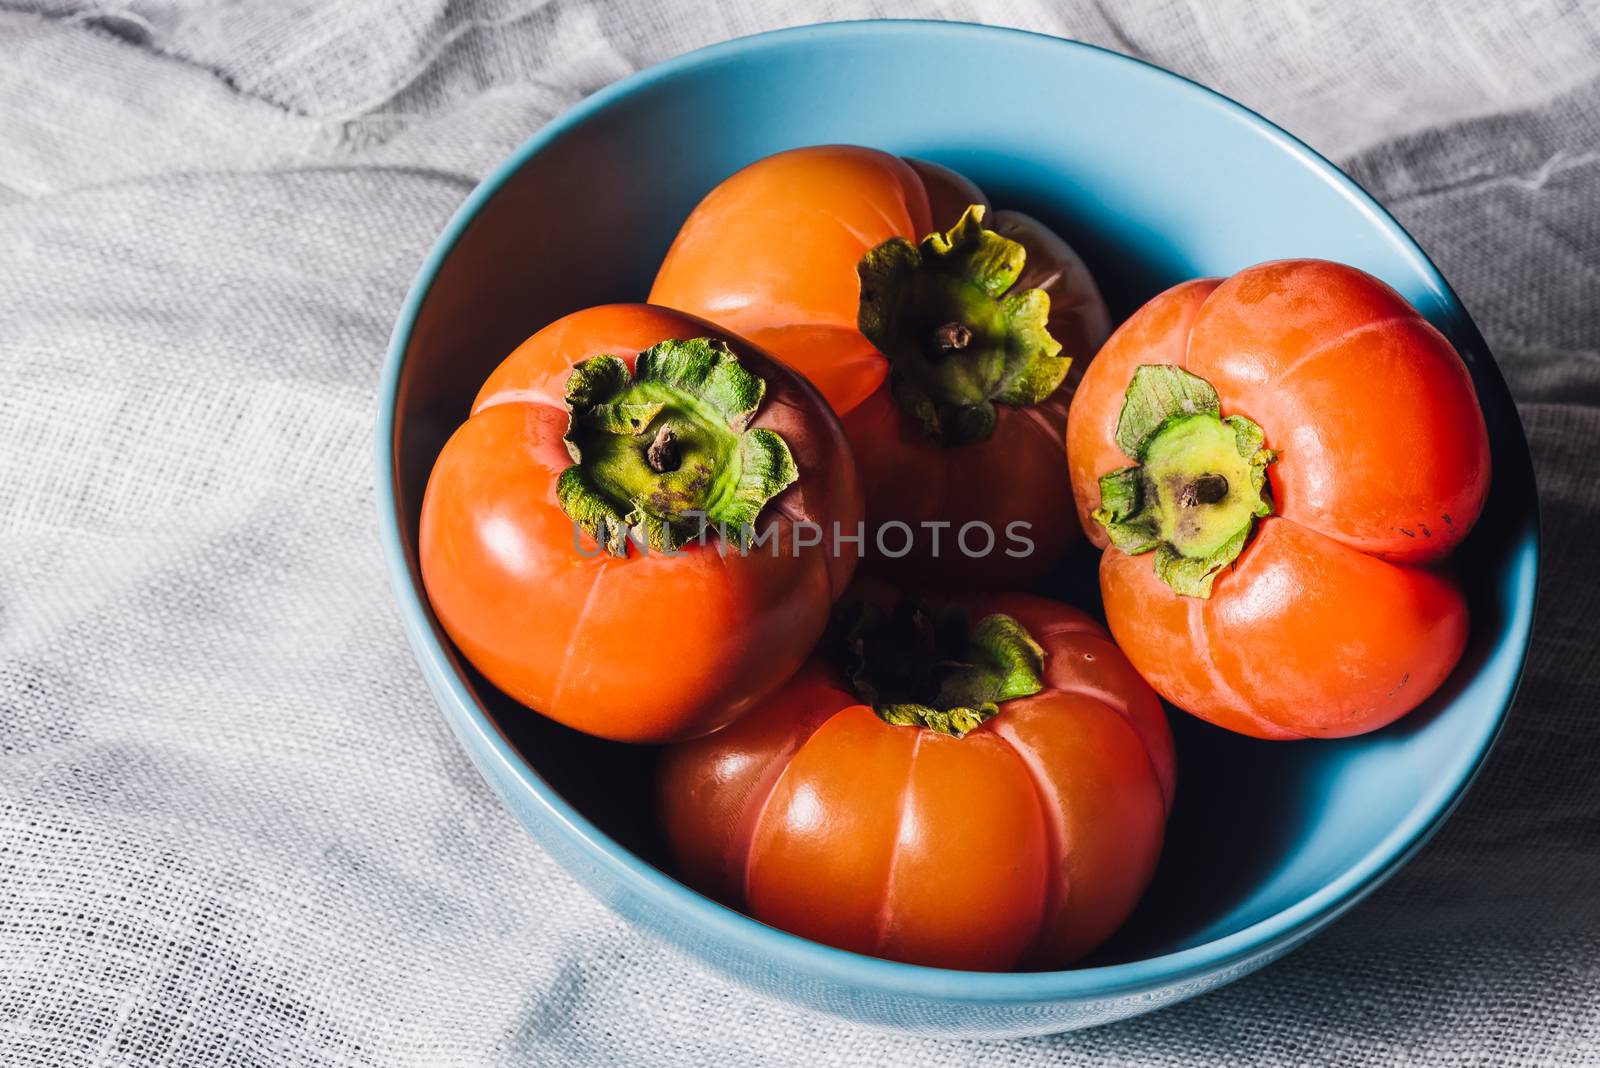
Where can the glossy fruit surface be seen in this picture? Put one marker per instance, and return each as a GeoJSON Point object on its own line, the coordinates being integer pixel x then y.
{"type": "Point", "coordinates": [1336, 617]}
{"type": "Point", "coordinates": [776, 252]}
{"type": "Point", "coordinates": [656, 642]}
{"type": "Point", "coordinates": [1023, 842]}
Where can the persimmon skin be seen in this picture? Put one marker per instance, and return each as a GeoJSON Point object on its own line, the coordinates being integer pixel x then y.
{"type": "Point", "coordinates": [1025, 843]}
{"type": "Point", "coordinates": [772, 253]}
{"type": "Point", "coordinates": [1335, 620]}
{"type": "Point", "coordinates": [649, 647]}
{"type": "Point", "coordinates": [1303, 638]}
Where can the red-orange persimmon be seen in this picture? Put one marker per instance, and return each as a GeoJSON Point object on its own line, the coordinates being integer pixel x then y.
{"type": "Point", "coordinates": [563, 544]}
{"type": "Point", "coordinates": [1278, 463]}
{"type": "Point", "coordinates": [941, 333]}
{"type": "Point", "coordinates": [986, 790]}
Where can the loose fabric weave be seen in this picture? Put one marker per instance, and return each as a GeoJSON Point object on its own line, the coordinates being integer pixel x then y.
{"type": "Point", "coordinates": [233, 828]}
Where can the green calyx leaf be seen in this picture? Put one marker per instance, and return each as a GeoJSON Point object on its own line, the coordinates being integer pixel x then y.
{"type": "Point", "coordinates": [929, 668]}
{"type": "Point", "coordinates": [665, 454]}
{"type": "Point", "coordinates": [1200, 483]}
{"type": "Point", "coordinates": [1156, 394]}
{"type": "Point", "coordinates": [958, 340]}
{"type": "Point", "coordinates": [1191, 576]}
{"type": "Point", "coordinates": [953, 721]}
{"type": "Point", "coordinates": [1120, 493]}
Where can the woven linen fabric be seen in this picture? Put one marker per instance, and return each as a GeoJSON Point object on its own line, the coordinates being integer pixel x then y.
{"type": "Point", "coordinates": [233, 828]}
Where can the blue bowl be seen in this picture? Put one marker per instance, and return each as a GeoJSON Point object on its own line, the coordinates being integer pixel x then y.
{"type": "Point", "coordinates": [1155, 180]}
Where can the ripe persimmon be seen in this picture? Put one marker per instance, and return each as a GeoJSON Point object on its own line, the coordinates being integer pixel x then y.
{"type": "Point", "coordinates": [1277, 464]}
{"type": "Point", "coordinates": [578, 529]}
{"type": "Point", "coordinates": [942, 334]}
{"type": "Point", "coordinates": [985, 787]}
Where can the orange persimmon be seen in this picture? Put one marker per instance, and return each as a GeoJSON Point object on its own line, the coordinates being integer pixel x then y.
{"type": "Point", "coordinates": [983, 788]}
{"type": "Point", "coordinates": [1297, 450]}
{"type": "Point", "coordinates": [577, 528]}
{"type": "Point", "coordinates": [941, 335]}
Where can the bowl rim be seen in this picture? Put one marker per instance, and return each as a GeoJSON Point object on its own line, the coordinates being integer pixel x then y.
{"type": "Point", "coordinates": [1253, 944]}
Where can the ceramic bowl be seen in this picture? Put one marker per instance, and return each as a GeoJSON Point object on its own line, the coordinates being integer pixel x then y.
{"type": "Point", "coordinates": [1155, 180]}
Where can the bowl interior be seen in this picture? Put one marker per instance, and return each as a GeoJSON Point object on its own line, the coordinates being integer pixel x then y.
{"type": "Point", "coordinates": [1154, 180]}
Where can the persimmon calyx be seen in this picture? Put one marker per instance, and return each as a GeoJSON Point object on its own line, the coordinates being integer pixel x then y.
{"type": "Point", "coordinates": [924, 668]}
{"type": "Point", "coordinates": [1199, 485]}
{"type": "Point", "coordinates": [665, 453]}
{"type": "Point", "coordinates": [959, 341]}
